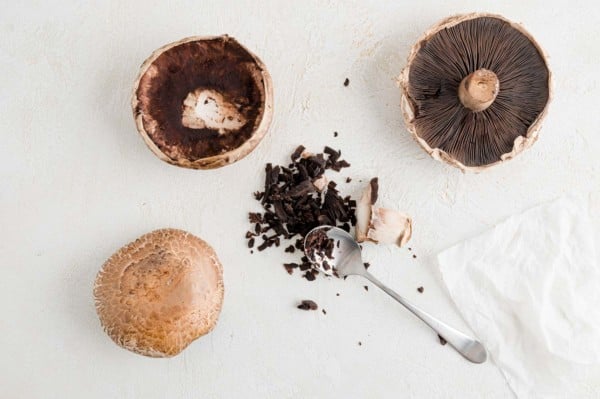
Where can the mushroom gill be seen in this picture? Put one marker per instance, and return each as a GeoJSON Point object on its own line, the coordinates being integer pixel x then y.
{"type": "Point", "coordinates": [475, 88]}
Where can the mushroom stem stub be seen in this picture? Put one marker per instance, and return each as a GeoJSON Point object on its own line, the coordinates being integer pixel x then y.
{"type": "Point", "coordinates": [204, 109]}
{"type": "Point", "coordinates": [478, 90]}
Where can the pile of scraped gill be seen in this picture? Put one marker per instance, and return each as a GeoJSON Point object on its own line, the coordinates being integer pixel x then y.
{"type": "Point", "coordinates": [298, 198]}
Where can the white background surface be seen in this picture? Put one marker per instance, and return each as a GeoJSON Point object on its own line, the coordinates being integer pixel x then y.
{"type": "Point", "coordinates": [77, 183]}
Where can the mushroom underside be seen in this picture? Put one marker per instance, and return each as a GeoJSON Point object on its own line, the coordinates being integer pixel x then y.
{"type": "Point", "coordinates": [476, 137]}
{"type": "Point", "coordinates": [201, 98]}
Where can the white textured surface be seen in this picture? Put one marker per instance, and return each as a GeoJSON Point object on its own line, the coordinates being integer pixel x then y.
{"type": "Point", "coordinates": [529, 289]}
{"type": "Point", "coordinates": [77, 182]}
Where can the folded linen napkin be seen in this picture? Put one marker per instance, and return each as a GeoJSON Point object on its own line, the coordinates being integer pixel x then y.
{"type": "Point", "coordinates": [530, 290]}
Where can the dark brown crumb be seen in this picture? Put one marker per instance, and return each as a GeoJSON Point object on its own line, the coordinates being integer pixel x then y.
{"type": "Point", "coordinates": [366, 287]}
{"type": "Point", "coordinates": [409, 248]}
{"type": "Point", "coordinates": [346, 82]}
{"type": "Point", "coordinates": [310, 275]}
{"type": "Point", "coordinates": [251, 243]}
{"type": "Point", "coordinates": [307, 304]}
{"type": "Point", "coordinates": [251, 251]}
{"type": "Point", "coordinates": [305, 265]}
{"type": "Point", "coordinates": [335, 134]}
{"type": "Point", "coordinates": [323, 310]}
{"type": "Point", "coordinates": [374, 189]}
{"type": "Point", "coordinates": [290, 249]}
{"type": "Point", "coordinates": [367, 264]}
{"type": "Point", "coordinates": [442, 340]}
{"type": "Point", "coordinates": [338, 294]}
{"type": "Point", "coordinates": [255, 217]}
{"type": "Point", "coordinates": [348, 180]}
{"type": "Point", "coordinates": [297, 152]}
{"type": "Point", "coordinates": [414, 256]}
{"type": "Point", "coordinates": [421, 289]}
{"type": "Point", "coordinates": [359, 343]}
{"type": "Point", "coordinates": [263, 246]}
{"type": "Point", "coordinates": [289, 267]}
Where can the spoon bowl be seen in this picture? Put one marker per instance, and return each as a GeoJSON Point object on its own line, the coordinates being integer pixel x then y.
{"type": "Point", "coordinates": [346, 256]}
{"type": "Point", "coordinates": [333, 251]}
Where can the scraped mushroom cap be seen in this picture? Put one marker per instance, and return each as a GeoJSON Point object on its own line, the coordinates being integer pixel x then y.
{"type": "Point", "coordinates": [475, 90]}
{"type": "Point", "coordinates": [203, 102]}
{"type": "Point", "coordinates": [159, 293]}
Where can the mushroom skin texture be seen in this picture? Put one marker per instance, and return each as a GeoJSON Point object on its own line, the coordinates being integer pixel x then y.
{"type": "Point", "coordinates": [159, 293]}
{"type": "Point", "coordinates": [454, 128]}
{"type": "Point", "coordinates": [202, 102]}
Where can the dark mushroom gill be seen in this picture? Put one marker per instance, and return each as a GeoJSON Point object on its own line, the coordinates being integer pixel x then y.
{"type": "Point", "coordinates": [219, 64]}
{"type": "Point", "coordinates": [444, 59]}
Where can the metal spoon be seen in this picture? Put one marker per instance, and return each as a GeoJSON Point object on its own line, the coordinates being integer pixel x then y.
{"type": "Point", "coordinates": [346, 261]}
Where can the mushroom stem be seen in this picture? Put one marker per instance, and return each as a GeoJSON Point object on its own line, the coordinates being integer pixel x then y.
{"type": "Point", "coordinates": [478, 90]}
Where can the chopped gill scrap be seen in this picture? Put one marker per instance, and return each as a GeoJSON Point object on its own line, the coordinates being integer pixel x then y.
{"type": "Point", "coordinates": [307, 304]}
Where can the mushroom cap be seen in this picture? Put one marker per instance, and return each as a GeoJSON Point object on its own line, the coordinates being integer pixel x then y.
{"type": "Point", "coordinates": [439, 62]}
{"type": "Point", "coordinates": [202, 102]}
{"type": "Point", "coordinates": [159, 293]}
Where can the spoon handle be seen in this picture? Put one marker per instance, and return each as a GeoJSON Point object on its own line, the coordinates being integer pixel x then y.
{"type": "Point", "coordinates": [469, 347]}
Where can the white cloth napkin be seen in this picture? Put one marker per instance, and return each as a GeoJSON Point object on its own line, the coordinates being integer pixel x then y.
{"type": "Point", "coordinates": [530, 290]}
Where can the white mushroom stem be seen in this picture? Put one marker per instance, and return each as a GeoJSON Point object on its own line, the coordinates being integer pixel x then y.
{"type": "Point", "coordinates": [320, 183]}
{"type": "Point", "coordinates": [478, 90]}
{"type": "Point", "coordinates": [203, 108]}
{"type": "Point", "coordinates": [388, 226]}
{"type": "Point", "coordinates": [380, 225]}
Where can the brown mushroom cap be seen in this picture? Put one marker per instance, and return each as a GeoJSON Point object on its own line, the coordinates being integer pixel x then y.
{"type": "Point", "coordinates": [159, 293]}
{"type": "Point", "coordinates": [203, 102]}
{"type": "Point", "coordinates": [475, 90]}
